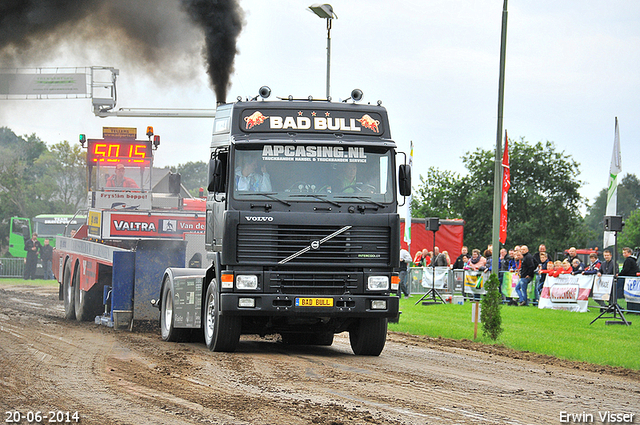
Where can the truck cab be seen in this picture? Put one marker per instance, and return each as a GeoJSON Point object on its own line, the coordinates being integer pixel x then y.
{"type": "Point", "coordinates": [302, 228]}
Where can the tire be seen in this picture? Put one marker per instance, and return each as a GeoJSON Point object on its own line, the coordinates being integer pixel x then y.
{"type": "Point", "coordinates": [221, 333]}
{"type": "Point", "coordinates": [68, 294]}
{"type": "Point", "coordinates": [87, 303]}
{"type": "Point", "coordinates": [167, 330]}
{"type": "Point", "coordinates": [368, 336]}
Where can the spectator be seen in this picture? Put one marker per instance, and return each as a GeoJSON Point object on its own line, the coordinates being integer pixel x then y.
{"type": "Point", "coordinates": [417, 259]}
{"type": "Point", "coordinates": [32, 246]}
{"type": "Point", "coordinates": [476, 260]}
{"type": "Point", "coordinates": [459, 263]}
{"type": "Point", "coordinates": [595, 265]}
{"type": "Point", "coordinates": [426, 258]}
{"type": "Point", "coordinates": [527, 271]}
{"type": "Point", "coordinates": [488, 257]}
{"type": "Point", "coordinates": [629, 269]}
{"type": "Point", "coordinates": [572, 254]}
{"type": "Point", "coordinates": [446, 256]}
{"type": "Point", "coordinates": [577, 266]}
{"type": "Point", "coordinates": [438, 258]}
{"type": "Point", "coordinates": [608, 267]}
{"type": "Point", "coordinates": [516, 262]}
{"type": "Point", "coordinates": [566, 267]}
{"type": "Point", "coordinates": [536, 256]}
{"type": "Point", "coordinates": [46, 255]}
{"type": "Point", "coordinates": [541, 277]}
{"type": "Point", "coordinates": [405, 262]}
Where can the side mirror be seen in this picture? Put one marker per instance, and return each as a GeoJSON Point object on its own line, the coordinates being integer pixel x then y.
{"type": "Point", "coordinates": [404, 180]}
{"type": "Point", "coordinates": [216, 184]}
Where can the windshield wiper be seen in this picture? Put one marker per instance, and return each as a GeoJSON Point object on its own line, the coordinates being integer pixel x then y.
{"type": "Point", "coordinates": [319, 197]}
{"type": "Point", "coordinates": [267, 195]}
{"type": "Point", "coordinates": [378, 204]}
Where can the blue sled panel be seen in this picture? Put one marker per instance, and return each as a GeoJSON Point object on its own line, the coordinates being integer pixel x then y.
{"type": "Point", "coordinates": [151, 260]}
{"type": "Point", "coordinates": [122, 278]}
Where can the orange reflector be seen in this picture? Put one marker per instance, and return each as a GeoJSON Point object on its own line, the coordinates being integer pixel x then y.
{"type": "Point", "coordinates": [395, 279]}
{"type": "Point", "coordinates": [227, 277]}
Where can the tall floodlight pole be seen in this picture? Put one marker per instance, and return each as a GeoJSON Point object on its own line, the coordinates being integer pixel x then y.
{"type": "Point", "coordinates": [325, 11]}
{"type": "Point", "coordinates": [497, 182]}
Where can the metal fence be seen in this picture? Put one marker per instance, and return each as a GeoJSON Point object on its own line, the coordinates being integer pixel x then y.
{"type": "Point", "coordinates": [12, 267]}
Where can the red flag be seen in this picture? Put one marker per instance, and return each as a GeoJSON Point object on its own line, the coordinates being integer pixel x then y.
{"type": "Point", "coordinates": [506, 184]}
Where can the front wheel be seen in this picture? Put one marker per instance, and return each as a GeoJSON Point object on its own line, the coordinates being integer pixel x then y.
{"type": "Point", "coordinates": [68, 294]}
{"type": "Point", "coordinates": [167, 330]}
{"type": "Point", "coordinates": [368, 336]}
{"type": "Point", "coordinates": [221, 333]}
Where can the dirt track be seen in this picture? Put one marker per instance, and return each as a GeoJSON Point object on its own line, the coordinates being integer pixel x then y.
{"type": "Point", "coordinates": [117, 377]}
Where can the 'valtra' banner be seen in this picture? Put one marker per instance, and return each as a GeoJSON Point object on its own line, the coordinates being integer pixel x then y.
{"type": "Point", "coordinates": [567, 292]}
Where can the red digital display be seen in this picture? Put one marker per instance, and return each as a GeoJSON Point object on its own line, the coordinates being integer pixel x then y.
{"type": "Point", "coordinates": [112, 152]}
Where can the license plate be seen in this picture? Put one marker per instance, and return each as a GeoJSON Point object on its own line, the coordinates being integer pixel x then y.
{"type": "Point", "coordinates": [314, 302]}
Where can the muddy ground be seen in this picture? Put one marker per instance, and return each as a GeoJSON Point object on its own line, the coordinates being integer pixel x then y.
{"type": "Point", "coordinates": [49, 364]}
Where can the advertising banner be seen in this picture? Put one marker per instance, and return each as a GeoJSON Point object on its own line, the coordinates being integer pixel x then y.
{"type": "Point", "coordinates": [123, 225]}
{"type": "Point", "coordinates": [43, 84]}
{"type": "Point", "coordinates": [632, 289]}
{"type": "Point", "coordinates": [441, 278]}
{"type": "Point", "coordinates": [602, 287]}
{"type": "Point", "coordinates": [509, 282]}
{"type": "Point", "coordinates": [474, 282]}
{"type": "Point", "coordinates": [566, 292]}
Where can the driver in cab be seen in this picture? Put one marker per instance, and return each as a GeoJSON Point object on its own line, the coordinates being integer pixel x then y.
{"type": "Point", "coordinates": [119, 180]}
{"type": "Point", "coordinates": [249, 177]}
{"type": "Point", "coordinates": [348, 180]}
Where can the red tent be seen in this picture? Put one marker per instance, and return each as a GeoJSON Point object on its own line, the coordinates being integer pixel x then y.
{"type": "Point", "coordinates": [449, 237]}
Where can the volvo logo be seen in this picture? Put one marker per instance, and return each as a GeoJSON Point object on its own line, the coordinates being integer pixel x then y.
{"type": "Point", "coordinates": [315, 244]}
{"type": "Point", "coordinates": [256, 218]}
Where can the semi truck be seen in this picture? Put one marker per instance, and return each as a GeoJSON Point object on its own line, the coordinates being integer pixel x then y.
{"type": "Point", "coordinates": [302, 227]}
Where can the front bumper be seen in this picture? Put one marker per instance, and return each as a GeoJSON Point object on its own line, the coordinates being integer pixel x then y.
{"type": "Point", "coordinates": [285, 305]}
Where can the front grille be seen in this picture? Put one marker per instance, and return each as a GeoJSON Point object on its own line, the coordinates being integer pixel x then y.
{"type": "Point", "coordinates": [266, 243]}
{"type": "Point", "coordinates": [309, 283]}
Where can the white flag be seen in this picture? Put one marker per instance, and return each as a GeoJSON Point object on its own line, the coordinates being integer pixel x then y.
{"type": "Point", "coordinates": [612, 189]}
{"type": "Point", "coordinates": [407, 221]}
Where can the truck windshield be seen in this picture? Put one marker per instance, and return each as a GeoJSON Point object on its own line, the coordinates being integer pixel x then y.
{"type": "Point", "coordinates": [326, 172]}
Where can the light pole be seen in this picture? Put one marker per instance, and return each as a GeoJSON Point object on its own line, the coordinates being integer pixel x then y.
{"type": "Point", "coordinates": [325, 11]}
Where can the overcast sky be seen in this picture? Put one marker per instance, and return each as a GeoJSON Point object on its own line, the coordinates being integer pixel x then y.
{"type": "Point", "coordinates": [572, 67]}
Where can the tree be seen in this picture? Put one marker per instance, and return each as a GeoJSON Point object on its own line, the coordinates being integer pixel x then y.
{"type": "Point", "coordinates": [19, 174]}
{"type": "Point", "coordinates": [193, 175]}
{"type": "Point", "coordinates": [65, 171]}
{"type": "Point", "coordinates": [544, 201]}
{"type": "Point", "coordinates": [628, 201]}
{"type": "Point", "coordinates": [630, 235]}
{"type": "Point", "coordinates": [491, 303]}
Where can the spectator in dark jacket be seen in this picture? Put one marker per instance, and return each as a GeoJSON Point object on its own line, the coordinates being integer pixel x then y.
{"type": "Point", "coordinates": [527, 270]}
{"type": "Point", "coordinates": [32, 246]}
{"type": "Point", "coordinates": [46, 255]}
{"type": "Point", "coordinates": [629, 269]}
{"type": "Point", "coordinates": [608, 266]}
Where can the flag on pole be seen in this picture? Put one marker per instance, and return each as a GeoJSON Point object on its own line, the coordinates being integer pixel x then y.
{"type": "Point", "coordinates": [506, 185]}
{"type": "Point", "coordinates": [407, 221]}
{"type": "Point", "coordinates": [612, 191]}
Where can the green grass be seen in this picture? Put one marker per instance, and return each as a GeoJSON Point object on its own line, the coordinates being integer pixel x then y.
{"type": "Point", "coordinates": [36, 282]}
{"type": "Point", "coordinates": [562, 334]}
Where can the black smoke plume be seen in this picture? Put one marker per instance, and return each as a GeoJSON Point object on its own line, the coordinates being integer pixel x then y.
{"type": "Point", "coordinates": [157, 37]}
{"type": "Point", "coordinates": [222, 22]}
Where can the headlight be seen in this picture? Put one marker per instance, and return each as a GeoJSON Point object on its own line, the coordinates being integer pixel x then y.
{"type": "Point", "coordinates": [246, 302]}
{"type": "Point", "coordinates": [378, 305]}
{"type": "Point", "coordinates": [247, 282]}
{"type": "Point", "coordinates": [378, 283]}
